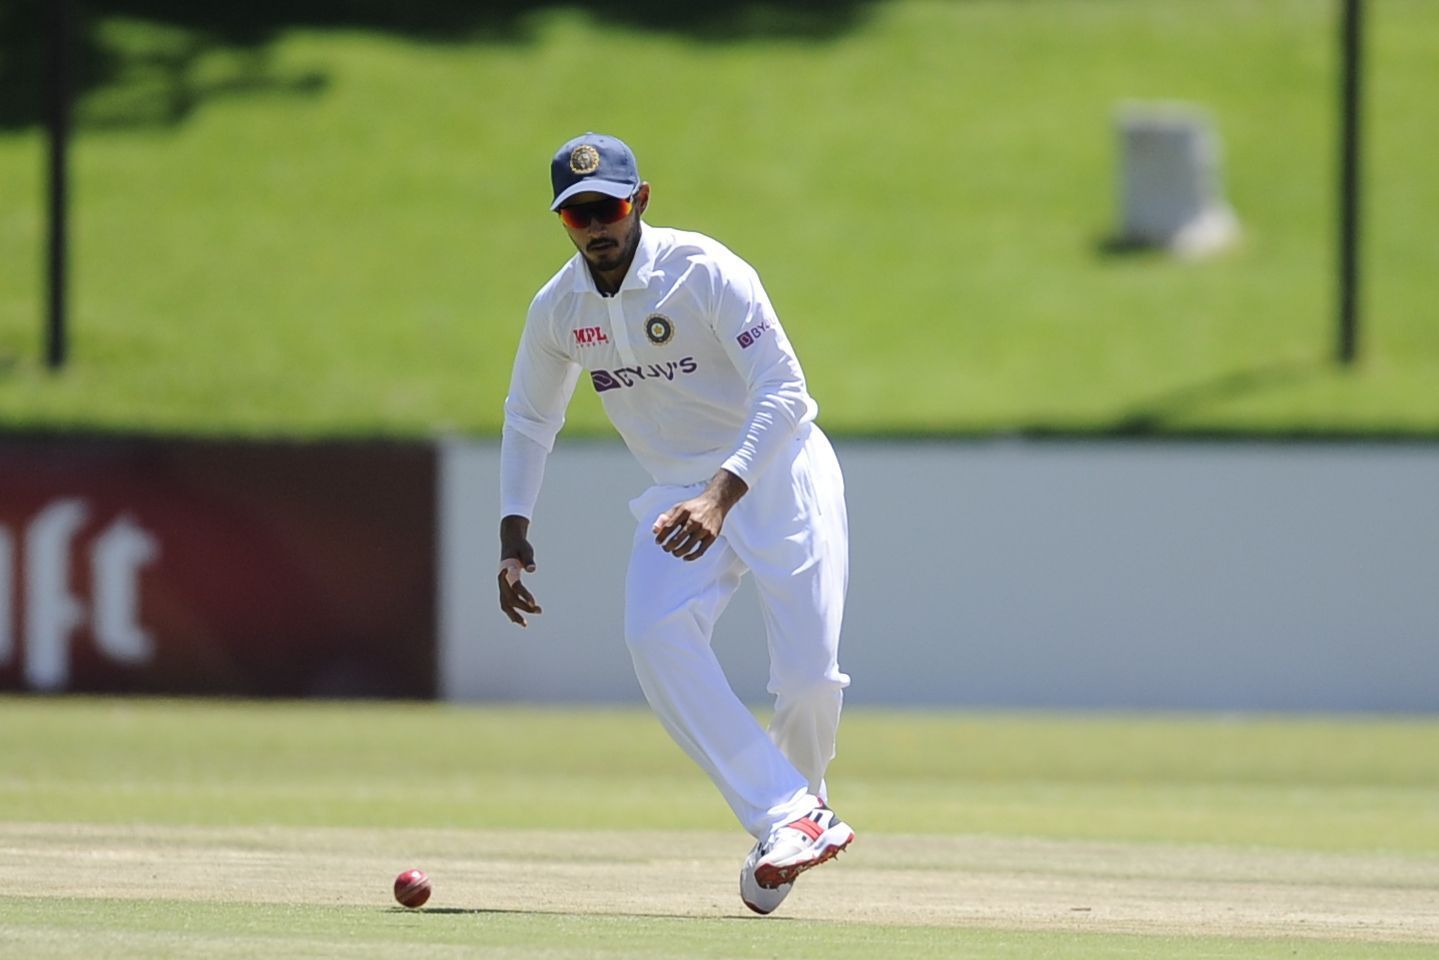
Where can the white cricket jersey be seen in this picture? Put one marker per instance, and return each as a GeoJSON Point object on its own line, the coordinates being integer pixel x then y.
{"type": "Point", "coordinates": [688, 357]}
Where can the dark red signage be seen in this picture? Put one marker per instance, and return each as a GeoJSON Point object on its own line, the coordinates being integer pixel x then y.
{"type": "Point", "coordinates": [252, 569]}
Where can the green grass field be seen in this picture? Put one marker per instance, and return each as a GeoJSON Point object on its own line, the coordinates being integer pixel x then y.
{"type": "Point", "coordinates": [152, 828]}
{"type": "Point", "coordinates": [336, 230]}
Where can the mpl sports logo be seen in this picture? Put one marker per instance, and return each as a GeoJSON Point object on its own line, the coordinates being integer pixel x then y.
{"type": "Point", "coordinates": [622, 377]}
{"type": "Point", "coordinates": [748, 337]}
{"type": "Point", "coordinates": [589, 336]}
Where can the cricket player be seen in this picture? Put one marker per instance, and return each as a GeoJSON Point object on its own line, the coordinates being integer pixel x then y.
{"type": "Point", "coordinates": [678, 337]}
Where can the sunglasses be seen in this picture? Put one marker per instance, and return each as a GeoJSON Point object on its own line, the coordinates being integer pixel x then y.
{"type": "Point", "coordinates": [610, 210]}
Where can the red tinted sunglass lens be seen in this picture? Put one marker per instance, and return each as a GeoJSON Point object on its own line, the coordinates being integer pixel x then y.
{"type": "Point", "coordinates": [605, 211]}
{"type": "Point", "coordinates": [622, 209]}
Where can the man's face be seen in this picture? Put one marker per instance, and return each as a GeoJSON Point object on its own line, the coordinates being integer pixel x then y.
{"type": "Point", "coordinates": [606, 246]}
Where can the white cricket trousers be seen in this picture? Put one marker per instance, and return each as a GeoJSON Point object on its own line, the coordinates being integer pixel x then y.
{"type": "Point", "coordinates": [790, 531]}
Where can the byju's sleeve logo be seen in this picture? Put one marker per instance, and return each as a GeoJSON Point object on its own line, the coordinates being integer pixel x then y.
{"type": "Point", "coordinates": [748, 337]}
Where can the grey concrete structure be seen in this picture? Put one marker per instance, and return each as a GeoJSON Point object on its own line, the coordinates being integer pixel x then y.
{"type": "Point", "coordinates": [1145, 575]}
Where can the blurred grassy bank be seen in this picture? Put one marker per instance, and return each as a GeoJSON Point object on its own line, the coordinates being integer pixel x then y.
{"type": "Point", "coordinates": [336, 230]}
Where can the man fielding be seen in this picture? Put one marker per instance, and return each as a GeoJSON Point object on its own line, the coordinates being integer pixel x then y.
{"type": "Point", "coordinates": [681, 343]}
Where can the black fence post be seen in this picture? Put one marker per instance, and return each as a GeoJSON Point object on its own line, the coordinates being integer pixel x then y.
{"type": "Point", "coordinates": [58, 117]}
{"type": "Point", "coordinates": [1351, 44]}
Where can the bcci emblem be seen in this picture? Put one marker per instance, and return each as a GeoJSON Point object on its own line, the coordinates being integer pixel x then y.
{"type": "Point", "coordinates": [584, 159]}
{"type": "Point", "coordinates": [659, 329]}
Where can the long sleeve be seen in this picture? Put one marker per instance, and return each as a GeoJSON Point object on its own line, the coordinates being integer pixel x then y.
{"type": "Point", "coordinates": [522, 470]}
{"type": "Point", "coordinates": [541, 384]}
{"type": "Point", "coordinates": [779, 401]}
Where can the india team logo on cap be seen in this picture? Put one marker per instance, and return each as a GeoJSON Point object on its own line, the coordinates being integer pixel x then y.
{"type": "Point", "coordinates": [584, 159]}
{"type": "Point", "coordinates": [659, 329]}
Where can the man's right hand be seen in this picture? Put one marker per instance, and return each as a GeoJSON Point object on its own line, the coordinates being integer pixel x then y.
{"type": "Point", "coordinates": [516, 557]}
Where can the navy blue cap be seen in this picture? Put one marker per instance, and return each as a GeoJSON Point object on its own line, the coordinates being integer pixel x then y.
{"type": "Point", "coordinates": [593, 163]}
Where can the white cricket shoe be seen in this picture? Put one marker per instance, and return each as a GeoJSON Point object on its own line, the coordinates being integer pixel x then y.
{"type": "Point", "coordinates": [794, 847]}
{"type": "Point", "coordinates": [759, 899]}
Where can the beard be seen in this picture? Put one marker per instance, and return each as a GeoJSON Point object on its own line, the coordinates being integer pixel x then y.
{"type": "Point", "coordinates": [607, 255]}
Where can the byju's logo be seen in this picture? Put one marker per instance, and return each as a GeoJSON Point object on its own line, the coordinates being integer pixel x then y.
{"type": "Point", "coordinates": [52, 611]}
{"type": "Point", "coordinates": [752, 334]}
{"type": "Point", "coordinates": [629, 376]}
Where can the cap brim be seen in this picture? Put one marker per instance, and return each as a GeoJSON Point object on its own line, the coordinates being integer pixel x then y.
{"type": "Point", "coordinates": [610, 188]}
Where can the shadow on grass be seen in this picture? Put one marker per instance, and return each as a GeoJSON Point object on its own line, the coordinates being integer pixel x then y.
{"type": "Point", "coordinates": [138, 59]}
{"type": "Point", "coordinates": [1158, 414]}
{"type": "Point", "coordinates": [504, 911]}
{"type": "Point", "coordinates": [1116, 247]}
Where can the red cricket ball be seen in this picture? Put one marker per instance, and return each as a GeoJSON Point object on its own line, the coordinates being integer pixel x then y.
{"type": "Point", "coordinates": [412, 888]}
